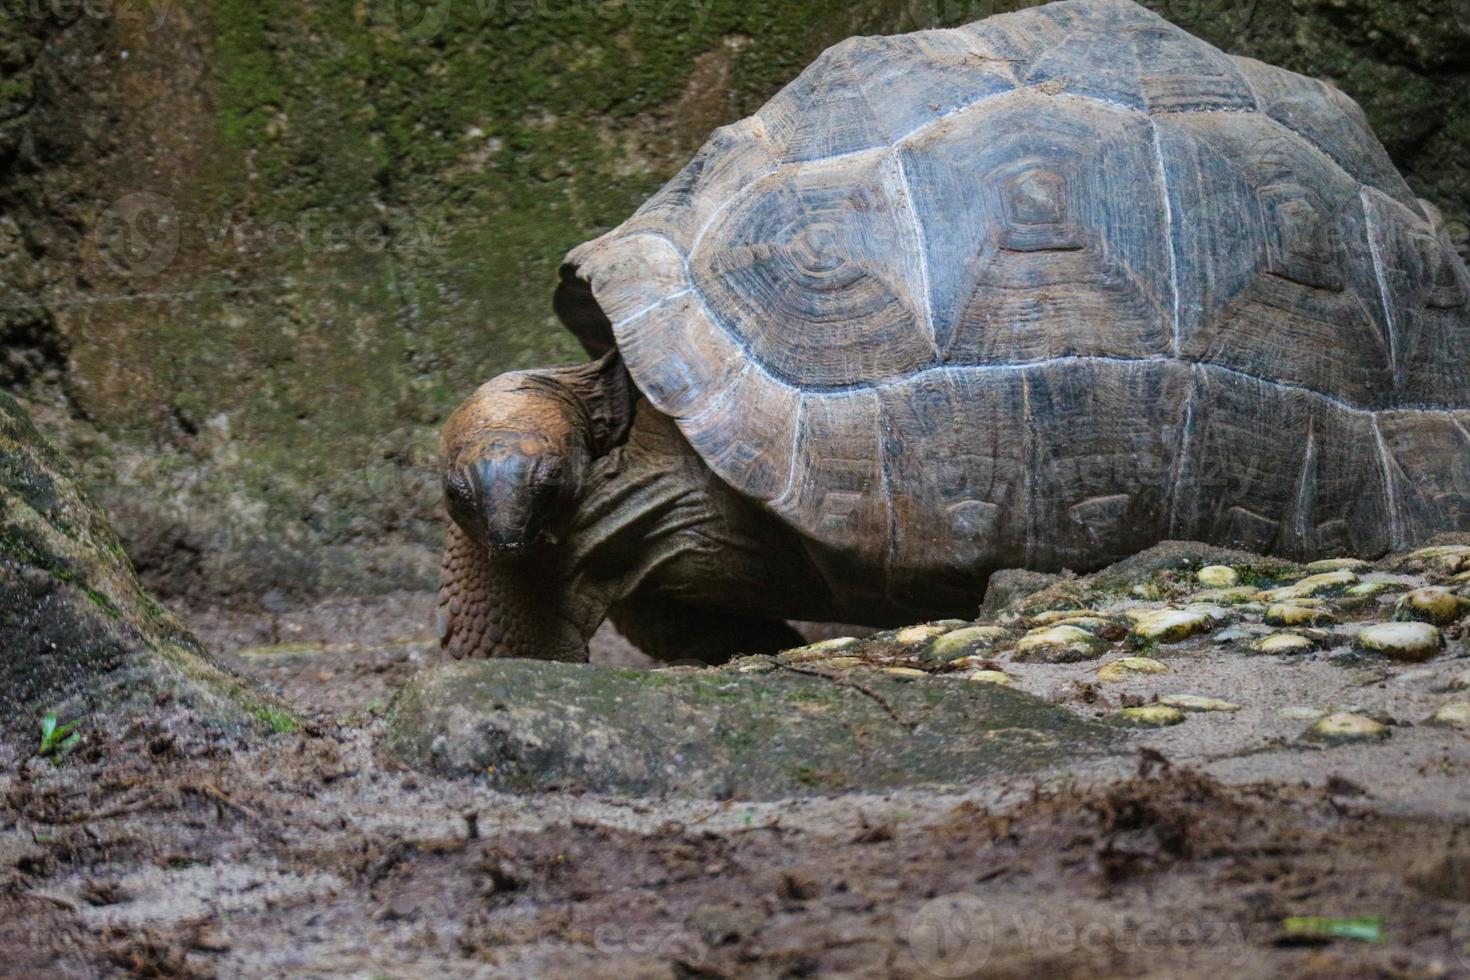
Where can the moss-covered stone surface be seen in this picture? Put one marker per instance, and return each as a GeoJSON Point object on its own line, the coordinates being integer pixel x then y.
{"type": "Point", "coordinates": [78, 638]}
{"type": "Point", "coordinates": [527, 727]}
{"type": "Point", "coordinates": [252, 253]}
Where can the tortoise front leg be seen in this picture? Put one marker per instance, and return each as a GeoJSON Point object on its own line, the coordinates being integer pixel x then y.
{"type": "Point", "coordinates": [671, 631]}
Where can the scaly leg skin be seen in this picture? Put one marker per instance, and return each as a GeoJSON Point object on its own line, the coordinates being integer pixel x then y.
{"type": "Point", "coordinates": [492, 609]}
{"type": "Point", "coordinates": [671, 631]}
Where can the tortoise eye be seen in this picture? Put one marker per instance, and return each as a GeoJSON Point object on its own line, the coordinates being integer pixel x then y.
{"type": "Point", "coordinates": [457, 487]}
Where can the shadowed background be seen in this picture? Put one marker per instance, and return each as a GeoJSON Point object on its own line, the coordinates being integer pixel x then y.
{"type": "Point", "coordinates": [253, 253]}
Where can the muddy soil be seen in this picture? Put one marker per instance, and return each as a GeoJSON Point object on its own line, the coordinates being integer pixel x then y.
{"type": "Point", "coordinates": [164, 854]}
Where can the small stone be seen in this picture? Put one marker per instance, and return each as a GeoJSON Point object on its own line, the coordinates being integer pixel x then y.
{"type": "Point", "coordinates": [756, 665]}
{"type": "Point", "coordinates": [1218, 577]}
{"type": "Point", "coordinates": [991, 677]}
{"type": "Point", "coordinates": [1295, 614]}
{"type": "Point", "coordinates": [1461, 682]}
{"type": "Point", "coordinates": [1059, 645]}
{"type": "Point", "coordinates": [1366, 593]}
{"type": "Point", "coordinates": [1054, 617]}
{"type": "Point", "coordinates": [1338, 565]}
{"type": "Point", "coordinates": [1344, 729]}
{"type": "Point", "coordinates": [1440, 607]}
{"type": "Point", "coordinates": [1313, 585]}
{"type": "Point", "coordinates": [1456, 715]}
{"type": "Point", "coordinates": [905, 673]}
{"type": "Point", "coordinates": [1442, 560]}
{"type": "Point", "coordinates": [1216, 612]}
{"type": "Point", "coordinates": [1226, 597]}
{"type": "Point", "coordinates": [1283, 644]}
{"type": "Point", "coordinates": [1194, 704]}
{"type": "Point", "coordinates": [1095, 625]}
{"type": "Point", "coordinates": [843, 663]}
{"type": "Point", "coordinates": [1232, 635]}
{"type": "Point", "coordinates": [1301, 713]}
{"type": "Point", "coordinates": [819, 651]}
{"type": "Point", "coordinates": [1149, 716]}
{"type": "Point", "coordinates": [1409, 642]}
{"type": "Point", "coordinates": [915, 635]}
{"type": "Point", "coordinates": [966, 643]}
{"type": "Point", "coordinates": [1171, 625]}
{"type": "Point", "coordinates": [1130, 668]}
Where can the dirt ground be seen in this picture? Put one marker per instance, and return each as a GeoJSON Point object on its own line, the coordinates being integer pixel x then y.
{"type": "Point", "coordinates": [166, 854]}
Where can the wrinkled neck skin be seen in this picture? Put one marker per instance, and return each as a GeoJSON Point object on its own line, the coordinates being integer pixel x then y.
{"type": "Point", "coordinates": [523, 609]}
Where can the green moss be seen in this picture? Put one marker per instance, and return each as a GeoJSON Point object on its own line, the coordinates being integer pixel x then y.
{"type": "Point", "coordinates": [276, 720]}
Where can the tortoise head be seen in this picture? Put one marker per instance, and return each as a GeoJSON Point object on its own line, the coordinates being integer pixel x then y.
{"type": "Point", "coordinates": [515, 456]}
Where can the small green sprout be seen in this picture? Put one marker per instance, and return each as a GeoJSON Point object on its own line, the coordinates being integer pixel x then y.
{"type": "Point", "coordinates": [58, 740]}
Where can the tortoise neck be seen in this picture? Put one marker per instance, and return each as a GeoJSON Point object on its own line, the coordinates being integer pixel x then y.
{"type": "Point", "coordinates": [496, 608]}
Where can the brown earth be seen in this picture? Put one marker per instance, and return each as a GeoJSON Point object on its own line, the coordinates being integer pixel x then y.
{"type": "Point", "coordinates": [164, 854]}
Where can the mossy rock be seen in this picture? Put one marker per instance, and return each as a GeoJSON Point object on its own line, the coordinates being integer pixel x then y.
{"type": "Point", "coordinates": [527, 727]}
{"type": "Point", "coordinates": [1188, 557]}
{"type": "Point", "coordinates": [78, 637]}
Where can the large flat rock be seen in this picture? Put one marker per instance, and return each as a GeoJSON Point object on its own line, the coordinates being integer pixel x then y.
{"type": "Point", "coordinates": [526, 727]}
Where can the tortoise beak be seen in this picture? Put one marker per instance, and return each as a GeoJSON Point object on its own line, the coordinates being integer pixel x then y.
{"type": "Point", "coordinates": [511, 509]}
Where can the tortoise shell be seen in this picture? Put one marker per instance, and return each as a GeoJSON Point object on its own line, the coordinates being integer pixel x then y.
{"type": "Point", "coordinates": [1045, 288]}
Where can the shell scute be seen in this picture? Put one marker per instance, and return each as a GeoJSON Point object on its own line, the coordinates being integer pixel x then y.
{"type": "Point", "coordinates": [875, 90]}
{"type": "Point", "coordinates": [817, 275]}
{"type": "Point", "coordinates": [1331, 121]}
{"type": "Point", "coordinates": [950, 445]}
{"type": "Point", "coordinates": [1096, 428]}
{"type": "Point", "coordinates": [682, 359]}
{"type": "Point", "coordinates": [1275, 469]}
{"type": "Point", "coordinates": [1427, 294]}
{"type": "Point", "coordinates": [843, 503]}
{"type": "Point", "coordinates": [748, 435]}
{"type": "Point", "coordinates": [1275, 270]}
{"type": "Point", "coordinates": [1045, 232]}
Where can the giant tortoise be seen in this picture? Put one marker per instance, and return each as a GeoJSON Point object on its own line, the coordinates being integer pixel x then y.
{"type": "Point", "coordinates": [1038, 292]}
